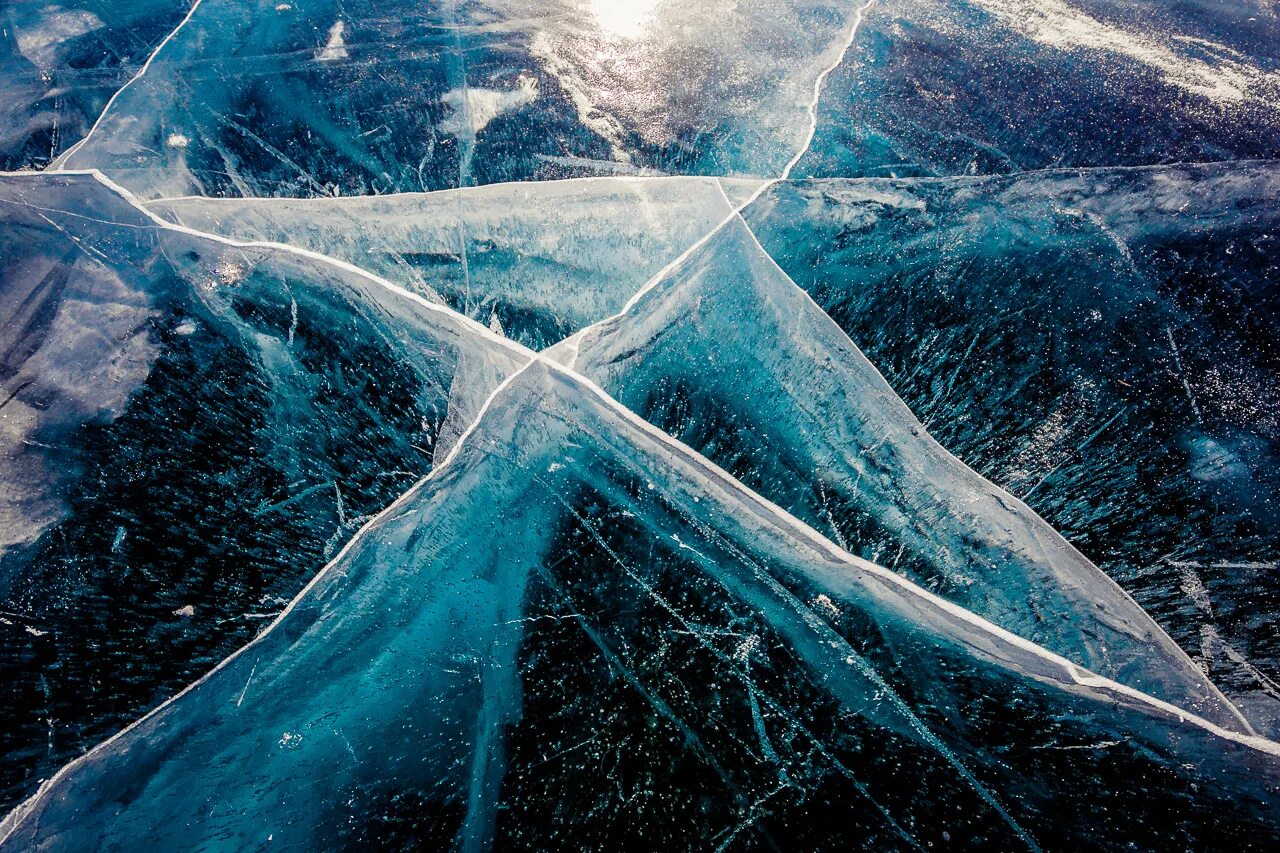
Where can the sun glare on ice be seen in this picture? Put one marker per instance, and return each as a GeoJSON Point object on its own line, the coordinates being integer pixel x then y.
{"type": "Point", "coordinates": [624, 18]}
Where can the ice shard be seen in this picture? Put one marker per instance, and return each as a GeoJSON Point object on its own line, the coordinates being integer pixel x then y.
{"type": "Point", "coordinates": [542, 260]}
{"type": "Point", "coordinates": [190, 428]}
{"type": "Point", "coordinates": [1096, 342]}
{"type": "Point", "coordinates": [61, 63]}
{"type": "Point", "coordinates": [258, 99]}
{"type": "Point", "coordinates": [935, 87]}
{"type": "Point", "coordinates": [578, 631]}
{"type": "Point", "coordinates": [724, 351]}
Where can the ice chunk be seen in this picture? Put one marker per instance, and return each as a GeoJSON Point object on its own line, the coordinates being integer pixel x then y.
{"type": "Point", "coordinates": [728, 354]}
{"type": "Point", "coordinates": [187, 425]}
{"type": "Point", "coordinates": [1083, 339]}
{"type": "Point", "coordinates": [516, 648]}
{"type": "Point", "coordinates": [545, 258]}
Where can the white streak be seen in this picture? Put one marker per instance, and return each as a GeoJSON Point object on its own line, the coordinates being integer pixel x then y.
{"type": "Point", "coordinates": [59, 164]}
{"type": "Point", "coordinates": [336, 48]}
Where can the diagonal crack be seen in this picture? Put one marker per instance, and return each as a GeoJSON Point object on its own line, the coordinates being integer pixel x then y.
{"type": "Point", "coordinates": [59, 165]}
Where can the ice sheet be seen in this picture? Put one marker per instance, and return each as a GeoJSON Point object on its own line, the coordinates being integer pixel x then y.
{"type": "Point", "coordinates": [190, 428]}
{"type": "Point", "coordinates": [995, 86]}
{"type": "Point", "coordinates": [1096, 343]}
{"type": "Point", "coordinates": [61, 62]}
{"type": "Point", "coordinates": [538, 624]}
{"type": "Point", "coordinates": [726, 352]}
{"type": "Point", "coordinates": [544, 258]}
{"type": "Point", "coordinates": [320, 99]}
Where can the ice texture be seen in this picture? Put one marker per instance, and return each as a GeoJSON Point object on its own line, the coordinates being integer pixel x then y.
{"type": "Point", "coordinates": [577, 617]}
{"type": "Point", "coordinates": [542, 259]}
{"type": "Point", "coordinates": [1098, 343]}
{"type": "Point", "coordinates": [189, 427]}
{"type": "Point", "coordinates": [955, 87]}
{"type": "Point", "coordinates": [324, 98]}
{"type": "Point", "coordinates": [62, 61]}
{"type": "Point", "coordinates": [718, 425]}
{"type": "Point", "coordinates": [725, 352]}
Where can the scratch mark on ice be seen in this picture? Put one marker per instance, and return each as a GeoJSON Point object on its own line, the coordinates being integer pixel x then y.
{"type": "Point", "coordinates": [1186, 386]}
{"type": "Point", "coordinates": [246, 685]}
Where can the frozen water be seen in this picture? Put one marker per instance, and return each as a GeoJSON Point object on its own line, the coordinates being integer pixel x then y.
{"type": "Point", "coordinates": [954, 87]}
{"type": "Point", "coordinates": [713, 425]}
{"type": "Point", "coordinates": [61, 62]}
{"type": "Point", "coordinates": [350, 98]}
{"type": "Point", "coordinates": [1099, 344]}
{"type": "Point", "coordinates": [575, 614]}
{"type": "Point", "coordinates": [725, 352]}
{"type": "Point", "coordinates": [545, 258]}
{"type": "Point", "coordinates": [187, 423]}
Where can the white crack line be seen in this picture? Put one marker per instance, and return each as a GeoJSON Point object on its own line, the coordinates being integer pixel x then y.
{"type": "Point", "coordinates": [58, 165]}
{"type": "Point", "coordinates": [793, 527]}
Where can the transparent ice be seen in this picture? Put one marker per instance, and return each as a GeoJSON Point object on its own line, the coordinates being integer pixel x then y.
{"type": "Point", "coordinates": [574, 424]}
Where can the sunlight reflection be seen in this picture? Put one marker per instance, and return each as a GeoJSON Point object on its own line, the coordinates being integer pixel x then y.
{"type": "Point", "coordinates": [623, 18]}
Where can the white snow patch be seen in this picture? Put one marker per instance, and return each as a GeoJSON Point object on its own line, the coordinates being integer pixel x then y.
{"type": "Point", "coordinates": [824, 603]}
{"type": "Point", "coordinates": [57, 25]}
{"type": "Point", "coordinates": [473, 109]}
{"type": "Point", "coordinates": [1059, 25]}
{"type": "Point", "coordinates": [230, 273]}
{"type": "Point", "coordinates": [336, 47]}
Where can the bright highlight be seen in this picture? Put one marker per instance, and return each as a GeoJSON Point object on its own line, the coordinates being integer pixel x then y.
{"type": "Point", "coordinates": [624, 18]}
